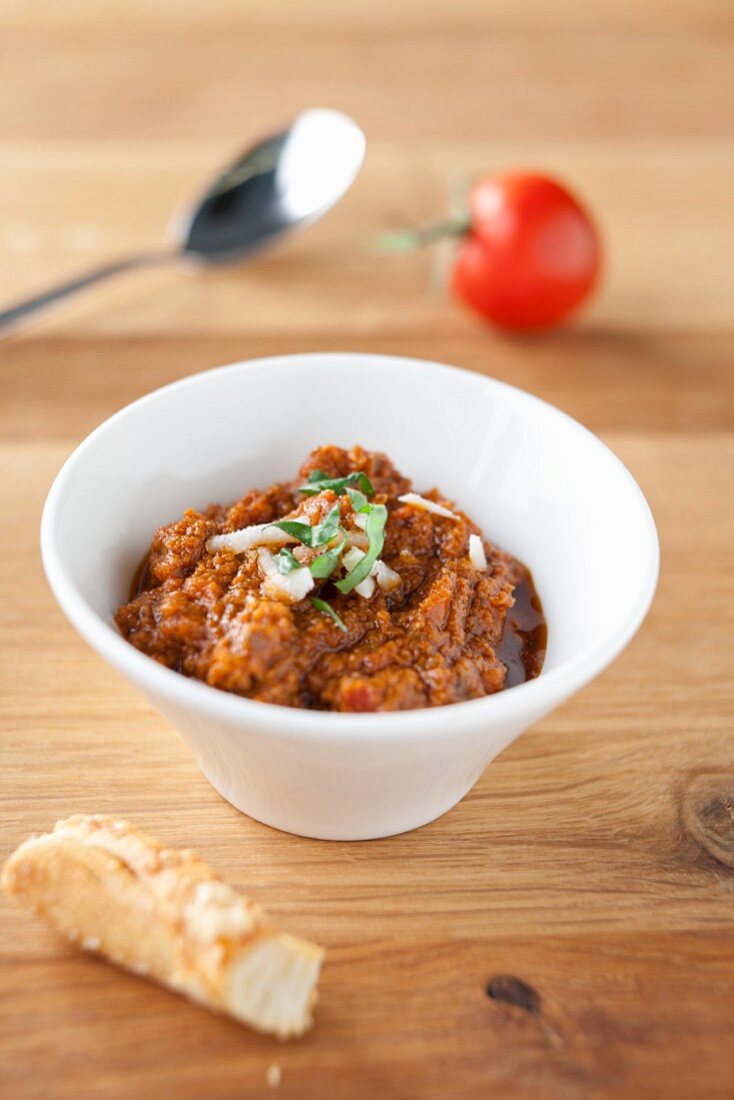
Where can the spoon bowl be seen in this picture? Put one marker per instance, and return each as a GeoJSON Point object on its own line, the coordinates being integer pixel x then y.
{"type": "Point", "coordinates": [282, 183]}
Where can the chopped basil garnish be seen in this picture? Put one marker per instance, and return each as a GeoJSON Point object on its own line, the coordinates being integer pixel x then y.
{"type": "Point", "coordinates": [325, 564]}
{"type": "Point", "coordinates": [312, 536]}
{"type": "Point", "coordinates": [327, 609]}
{"type": "Point", "coordinates": [359, 500]}
{"type": "Point", "coordinates": [318, 481]}
{"type": "Point", "coordinates": [375, 531]}
{"type": "Point", "coordinates": [286, 561]}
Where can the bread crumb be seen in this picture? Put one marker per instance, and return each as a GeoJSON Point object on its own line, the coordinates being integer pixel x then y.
{"type": "Point", "coordinates": [273, 1076]}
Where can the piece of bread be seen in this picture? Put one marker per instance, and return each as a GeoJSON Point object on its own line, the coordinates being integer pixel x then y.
{"type": "Point", "coordinates": [164, 913]}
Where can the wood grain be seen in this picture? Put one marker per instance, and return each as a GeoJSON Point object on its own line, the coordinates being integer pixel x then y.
{"type": "Point", "coordinates": [586, 882]}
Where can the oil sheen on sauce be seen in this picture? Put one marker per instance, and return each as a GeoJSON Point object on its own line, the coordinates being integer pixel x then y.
{"type": "Point", "coordinates": [525, 637]}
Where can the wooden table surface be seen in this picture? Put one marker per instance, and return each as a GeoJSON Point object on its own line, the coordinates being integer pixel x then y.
{"type": "Point", "coordinates": [593, 860]}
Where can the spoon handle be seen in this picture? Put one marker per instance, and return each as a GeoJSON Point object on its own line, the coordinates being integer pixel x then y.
{"type": "Point", "coordinates": [20, 314]}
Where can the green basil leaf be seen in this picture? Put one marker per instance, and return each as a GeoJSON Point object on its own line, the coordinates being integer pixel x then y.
{"type": "Point", "coordinates": [301, 531]}
{"type": "Point", "coordinates": [286, 562]}
{"type": "Point", "coordinates": [375, 531]}
{"type": "Point", "coordinates": [325, 564]}
{"type": "Point", "coordinates": [318, 482]}
{"type": "Point", "coordinates": [365, 484]}
{"type": "Point", "coordinates": [312, 536]}
{"type": "Point", "coordinates": [359, 500]}
{"type": "Point", "coordinates": [325, 531]}
{"type": "Point", "coordinates": [327, 609]}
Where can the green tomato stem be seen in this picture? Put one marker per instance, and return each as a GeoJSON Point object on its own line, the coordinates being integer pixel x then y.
{"type": "Point", "coordinates": [405, 240]}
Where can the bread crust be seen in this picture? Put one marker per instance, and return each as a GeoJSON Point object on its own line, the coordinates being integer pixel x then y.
{"type": "Point", "coordinates": [164, 913]}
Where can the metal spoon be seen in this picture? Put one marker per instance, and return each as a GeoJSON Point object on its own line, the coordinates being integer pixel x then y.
{"type": "Point", "coordinates": [285, 182]}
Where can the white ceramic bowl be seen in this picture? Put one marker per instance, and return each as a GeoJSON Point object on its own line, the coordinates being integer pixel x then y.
{"type": "Point", "coordinates": [540, 485]}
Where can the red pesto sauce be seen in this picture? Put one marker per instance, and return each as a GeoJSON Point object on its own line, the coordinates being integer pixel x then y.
{"type": "Point", "coordinates": [445, 634]}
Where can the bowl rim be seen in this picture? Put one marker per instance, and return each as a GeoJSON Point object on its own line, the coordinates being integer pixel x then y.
{"type": "Point", "coordinates": [533, 698]}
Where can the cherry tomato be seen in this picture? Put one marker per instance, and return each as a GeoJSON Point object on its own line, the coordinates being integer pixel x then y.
{"type": "Point", "coordinates": [531, 254]}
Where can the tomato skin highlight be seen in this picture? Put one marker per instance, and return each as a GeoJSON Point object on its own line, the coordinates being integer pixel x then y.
{"type": "Point", "coordinates": [532, 253]}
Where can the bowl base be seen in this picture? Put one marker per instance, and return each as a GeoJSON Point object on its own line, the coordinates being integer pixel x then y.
{"type": "Point", "coordinates": [286, 824]}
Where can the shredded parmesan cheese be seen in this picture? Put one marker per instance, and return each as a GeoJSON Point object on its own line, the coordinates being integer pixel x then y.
{"type": "Point", "coordinates": [427, 505]}
{"type": "Point", "coordinates": [287, 587]}
{"type": "Point", "coordinates": [247, 538]}
{"type": "Point", "coordinates": [476, 553]}
{"type": "Point", "coordinates": [352, 556]}
{"type": "Point", "coordinates": [366, 587]}
{"type": "Point", "coordinates": [386, 577]}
